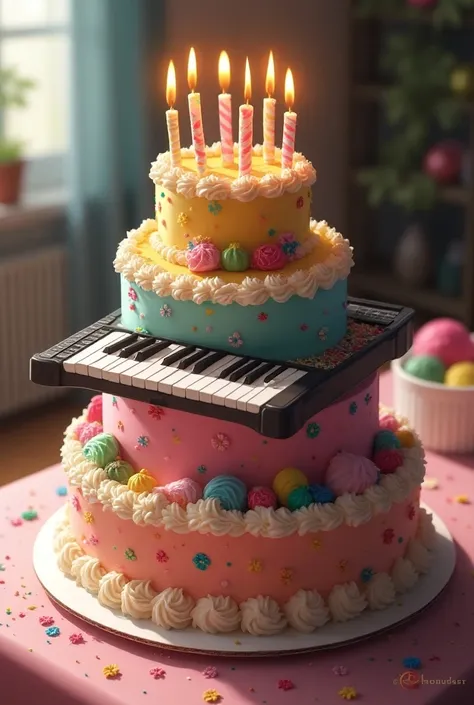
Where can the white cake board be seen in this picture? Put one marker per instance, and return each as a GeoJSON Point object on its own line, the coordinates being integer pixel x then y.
{"type": "Point", "coordinates": [83, 604]}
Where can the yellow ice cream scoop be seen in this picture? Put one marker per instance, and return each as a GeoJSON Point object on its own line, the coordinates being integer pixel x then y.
{"type": "Point", "coordinates": [461, 374]}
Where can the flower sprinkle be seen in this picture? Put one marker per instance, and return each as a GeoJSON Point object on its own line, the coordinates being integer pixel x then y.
{"type": "Point", "coordinates": [165, 311]}
{"type": "Point", "coordinates": [93, 540]}
{"type": "Point", "coordinates": [353, 408]}
{"type": "Point", "coordinates": [46, 621]}
{"type": "Point", "coordinates": [120, 425]}
{"type": "Point", "coordinates": [348, 693]}
{"type": "Point", "coordinates": [300, 202]}
{"type": "Point", "coordinates": [255, 566]}
{"type": "Point", "coordinates": [29, 515]}
{"type": "Point", "coordinates": [143, 441]}
{"type": "Point", "coordinates": [76, 638]}
{"type": "Point", "coordinates": [272, 232]}
{"type": "Point", "coordinates": [182, 219]}
{"type": "Point", "coordinates": [156, 412]}
{"type": "Point", "coordinates": [286, 575]}
{"type": "Point", "coordinates": [285, 684]}
{"type": "Point", "coordinates": [88, 517]}
{"type": "Point", "coordinates": [262, 316]}
{"type": "Point", "coordinates": [210, 672]}
{"type": "Point", "coordinates": [323, 333]}
{"type": "Point", "coordinates": [53, 631]}
{"type": "Point", "coordinates": [75, 503]}
{"type": "Point", "coordinates": [157, 672]}
{"type": "Point", "coordinates": [214, 207]}
{"type": "Point", "coordinates": [304, 327]}
{"type": "Point", "coordinates": [312, 430]}
{"type": "Point", "coordinates": [366, 575]}
{"type": "Point", "coordinates": [411, 512]}
{"type": "Point", "coordinates": [130, 554]}
{"type": "Point", "coordinates": [388, 536]}
{"type": "Point", "coordinates": [202, 469]}
{"type": "Point", "coordinates": [460, 499]}
{"type": "Point", "coordinates": [201, 561]}
{"type": "Point", "coordinates": [61, 491]}
{"type": "Point", "coordinates": [162, 557]}
{"type": "Point", "coordinates": [111, 671]}
{"type": "Point", "coordinates": [289, 245]}
{"type": "Point", "coordinates": [16, 522]}
{"type": "Point", "coordinates": [220, 442]}
{"type": "Point", "coordinates": [211, 696]}
{"type": "Point", "coordinates": [132, 294]}
{"type": "Point", "coordinates": [235, 340]}
{"type": "Point", "coordinates": [340, 670]}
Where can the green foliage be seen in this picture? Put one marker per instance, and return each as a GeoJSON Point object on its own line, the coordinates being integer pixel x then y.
{"type": "Point", "coordinates": [14, 90]}
{"type": "Point", "coordinates": [419, 98]}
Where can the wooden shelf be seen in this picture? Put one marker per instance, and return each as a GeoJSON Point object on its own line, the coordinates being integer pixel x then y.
{"type": "Point", "coordinates": [386, 286]}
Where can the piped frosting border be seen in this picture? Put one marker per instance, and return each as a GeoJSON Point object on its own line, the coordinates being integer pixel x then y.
{"type": "Point", "coordinates": [252, 291]}
{"type": "Point", "coordinates": [218, 187]}
{"type": "Point", "coordinates": [207, 517]}
{"type": "Point", "coordinates": [305, 611]}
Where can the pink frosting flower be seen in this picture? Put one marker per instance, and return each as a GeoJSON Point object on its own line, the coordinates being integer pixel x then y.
{"type": "Point", "coordinates": [76, 638]}
{"type": "Point", "coordinates": [46, 621]}
{"type": "Point", "coordinates": [262, 497]}
{"type": "Point", "coordinates": [86, 430]}
{"type": "Point", "coordinates": [132, 294]}
{"type": "Point", "coordinates": [268, 258]}
{"type": "Point", "coordinates": [94, 409]}
{"type": "Point", "coordinates": [350, 473]}
{"type": "Point", "coordinates": [157, 672]}
{"type": "Point", "coordinates": [210, 672]}
{"type": "Point", "coordinates": [162, 557]}
{"type": "Point", "coordinates": [203, 257]}
{"type": "Point", "coordinates": [183, 492]}
{"type": "Point", "coordinates": [220, 442]}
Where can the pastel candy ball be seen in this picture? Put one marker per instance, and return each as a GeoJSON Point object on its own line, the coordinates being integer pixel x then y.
{"type": "Point", "coordinates": [203, 257]}
{"type": "Point", "coordinates": [85, 431]}
{"type": "Point", "coordinates": [101, 449]}
{"type": "Point", "coordinates": [141, 482]}
{"type": "Point", "coordinates": [299, 497]}
{"type": "Point", "coordinates": [446, 339]}
{"type": "Point", "coordinates": [94, 409]}
{"type": "Point", "coordinates": [262, 497]}
{"type": "Point", "coordinates": [119, 471]}
{"type": "Point", "coordinates": [321, 494]}
{"type": "Point", "coordinates": [406, 438]}
{"type": "Point", "coordinates": [230, 491]}
{"type": "Point", "coordinates": [388, 460]}
{"type": "Point", "coordinates": [426, 367]}
{"type": "Point", "coordinates": [461, 374]}
{"type": "Point", "coordinates": [182, 492]}
{"type": "Point", "coordinates": [286, 481]}
{"type": "Point", "coordinates": [386, 440]}
{"type": "Point", "coordinates": [350, 473]}
{"type": "Point", "coordinates": [235, 259]}
{"type": "Point", "coordinates": [388, 422]}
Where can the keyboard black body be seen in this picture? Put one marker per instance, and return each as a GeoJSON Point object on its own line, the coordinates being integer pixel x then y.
{"type": "Point", "coordinates": [289, 410]}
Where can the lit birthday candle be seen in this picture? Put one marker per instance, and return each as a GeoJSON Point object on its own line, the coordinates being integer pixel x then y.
{"type": "Point", "coordinates": [289, 124]}
{"type": "Point", "coordinates": [194, 101]}
{"type": "Point", "coordinates": [246, 127]}
{"type": "Point", "coordinates": [225, 111]}
{"type": "Point", "coordinates": [269, 114]}
{"type": "Point", "coordinates": [172, 121]}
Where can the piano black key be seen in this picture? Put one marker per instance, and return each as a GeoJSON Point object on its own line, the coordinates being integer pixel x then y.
{"type": "Point", "coordinates": [245, 369]}
{"type": "Point", "coordinates": [258, 372]}
{"type": "Point", "coordinates": [206, 362]}
{"type": "Point", "coordinates": [224, 374]}
{"type": "Point", "coordinates": [178, 355]}
{"type": "Point", "coordinates": [191, 359]}
{"type": "Point", "coordinates": [274, 374]}
{"type": "Point", "coordinates": [130, 350]}
{"type": "Point", "coordinates": [151, 350]}
{"type": "Point", "coordinates": [115, 347]}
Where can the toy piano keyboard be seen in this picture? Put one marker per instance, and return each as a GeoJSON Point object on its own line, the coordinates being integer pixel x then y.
{"type": "Point", "coordinates": [273, 398]}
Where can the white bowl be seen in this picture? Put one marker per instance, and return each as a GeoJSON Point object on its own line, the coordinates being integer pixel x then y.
{"type": "Point", "coordinates": [442, 416]}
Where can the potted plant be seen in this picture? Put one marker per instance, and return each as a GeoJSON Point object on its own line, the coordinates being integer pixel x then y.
{"type": "Point", "coordinates": [14, 90]}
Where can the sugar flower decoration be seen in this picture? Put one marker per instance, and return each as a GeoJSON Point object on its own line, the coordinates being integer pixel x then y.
{"type": "Point", "coordinates": [255, 566]}
{"type": "Point", "coordinates": [88, 517]}
{"type": "Point", "coordinates": [156, 412]}
{"type": "Point", "coordinates": [157, 672]}
{"type": "Point", "coordinates": [46, 621]}
{"type": "Point", "coordinates": [285, 684]}
{"type": "Point", "coordinates": [165, 311]}
{"type": "Point", "coordinates": [111, 671]}
{"type": "Point", "coordinates": [201, 561]}
{"type": "Point", "coordinates": [130, 554]}
{"type": "Point", "coordinates": [214, 207]}
{"type": "Point", "coordinates": [220, 442]}
{"type": "Point", "coordinates": [53, 631]}
{"type": "Point", "coordinates": [235, 340]}
{"type": "Point", "coordinates": [210, 672]}
{"type": "Point", "coordinates": [76, 638]}
{"type": "Point", "coordinates": [348, 693]}
{"type": "Point", "coordinates": [211, 696]}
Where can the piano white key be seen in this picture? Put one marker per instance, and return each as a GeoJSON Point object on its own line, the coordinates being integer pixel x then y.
{"type": "Point", "coordinates": [131, 374]}
{"type": "Point", "coordinates": [277, 385]}
{"type": "Point", "coordinates": [180, 387]}
{"type": "Point", "coordinates": [86, 365]}
{"type": "Point", "coordinates": [167, 385]}
{"type": "Point", "coordinates": [207, 376]}
{"type": "Point", "coordinates": [147, 368]}
{"type": "Point", "coordinates": [164, 371]}
{"type": "Point", "coordinates": [210, 394]}
{"type": "Point", "coordinates": [227, 393]}
{"type": "Point", "coordinates": [113, 370]}
{"type": "Point", "coordinates": [252, 390]}
{"type": "Point", "coordinates": [70, 364]}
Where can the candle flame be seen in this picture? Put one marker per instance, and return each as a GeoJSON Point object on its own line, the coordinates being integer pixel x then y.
{"type": "Point", "coordinates": [248, 82]}
{"type": "Point", "coordinates": [289, 89]}
{"type": "Point", "coordinates": [171, 85]}
{"type": "Point", "coordinates": [192, 70]}
{"type": "Point", "coordinates": [224, 71]}
{"type": "Point", "coordinates": [270, 80]}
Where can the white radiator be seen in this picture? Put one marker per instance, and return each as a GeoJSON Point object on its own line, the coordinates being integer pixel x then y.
{"type": "Point", "coordinates": [33, 317]}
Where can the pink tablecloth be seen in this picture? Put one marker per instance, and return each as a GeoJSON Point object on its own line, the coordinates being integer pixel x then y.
{"type": "Point", "coordinates": [50, 670]}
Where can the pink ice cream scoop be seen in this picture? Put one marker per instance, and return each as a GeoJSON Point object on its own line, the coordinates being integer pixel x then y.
{"type": "Point", "coordinates": [445, 339]}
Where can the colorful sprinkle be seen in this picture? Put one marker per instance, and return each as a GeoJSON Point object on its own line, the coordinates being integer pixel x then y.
{"type": "Point", "coordinates": [130, 554]}
{"type": "Point", "coordinates": [29, 515]}
{"type": "Point", "coordinates": [300, 202]}
{"type": "Point", "coordinates": [411, 512]}
{"type": "Point", "coordinates": [143, 441]}
{"type": "Point", "coordinates": [304, 327]}
{"type": "Point", "coordinates": [182, 219]}
{"type": "Point", "coordinates": [61, 491]}
{"type": "Point", "coordinates": [214, 207]}
{"type": "Point", "coordinates": [312, 430]}
{"type": "Point", "coordinates": [348, 693]}
{"type": "Point", "coordinates": [156, 412]}
{"type": "Point", "coordinates": [366, 575]}
{"type": "Point", "coordinates": [209, 312]}
{"type": "Point", "coordinates": [211, 696]}
{"type": "Point", "coordinates": [353, 408]}
{"type": "Point", "coordinates": [93, 540]}
{"type": "Point", "coordinates": [368, 398]}
{"type": "Point", "coordinates": [285, 684]}
{"type": "Point", "coordinates": [114, 402]}
{"type": "Point", "coordinates": [340, 670]}
{"type": "Point", "coordinates": [342, 564]}
{"type": "Point", "coordinates": [202, 469]}
{"type": "Point", "coordinates": [235, 340]}
{"type": "Point", "coordinates": [208, 329]}
{"type": "Point", "coordinates": [412, 662]}
{"type": "Point", "coordinates": [323, 333]}
{"type": "Point", "coordinates": [46, 621]}
{"type": "Point", "coordinates": [111, 671]}
{"type": "Point", "coordinates": [120, 425]}
{"type": "Point", "coordinates": [88, 517]}
{"type": "Point", "coordinates": [157, 672]}
{"type": "Point", "coordinates": [388, 536]}
{"type": "Point", "coordinates": [286, 575]}
{"type": "Point", "coordinates": [16, 522]}
{"type": "Point", "coordinates": [272, 232]}
{"type": "Point", "coordinates": [210, 672]}
{"type": "Point", "coordinates": [53, 631]}
{"type": "Point", "coordinates": [162, 557]}
{"type": "Point", "coordinates": [262, 316]}
{"type": "Point", "coordinates": [132, 307]}
{"type": "Point", "coordinates": [255, 566]}
{"type": "Point", "coordinates": [132, 294]}
{"type": "Point", "coordinates": [75, 503]}
{"type": "Point", "coordinates": [76, 638]}
{"type": "Point", "coordinates": [165, 311]}
{"type": "Point", "coordinates": [201, 561]}
{"type": "Point", "coordinates": [460, 499]}
{"type": "Point", "coordinates": [220, 442]}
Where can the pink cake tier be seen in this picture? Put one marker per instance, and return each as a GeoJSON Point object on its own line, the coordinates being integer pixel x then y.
{"type": "Point", "coordinates": [173, 444]}
{"type": "Point", "coordinates": [260, 570]}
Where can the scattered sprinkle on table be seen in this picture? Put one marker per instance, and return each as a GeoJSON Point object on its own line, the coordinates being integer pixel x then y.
{"type": "Point", "coordinates": [76, 638]}
{"type": "Point", "coordinates": [111, 671]}
{"type": "Point", "coordinates": [348, 693]}
{"type": "Point", "coordinates": [211, 696]}
{"type": "Point", "coordinates": [210, 672]}
{"type": "Point", "coordinates": [412, 662]}
{"type": "Point", "coordinates": [29, 515]}
{"type": "Point", "coordinates": [462, 499]}
{"type": "Point", "coordinates": [285, 684]}
{"type": "Point", "coordinates": [53, 631]}
{"type": "Point", "coordinates": [340, 670]}
{"type": "Point", "coordinates": [157, 672]}
{"type": "Point", "coordinates": [430, 483]}
{"type": "Point", "coordinates": [61, 491]}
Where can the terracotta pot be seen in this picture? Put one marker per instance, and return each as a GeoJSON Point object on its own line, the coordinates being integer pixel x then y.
{"type": "Point", "coordinates": [11, 176]}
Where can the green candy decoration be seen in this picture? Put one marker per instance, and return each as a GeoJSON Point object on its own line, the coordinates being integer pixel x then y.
{"type": "Point", "coordinates": [120, 471]}
{"type": "Point", "coordinates": [101, 450]}
{"type": "Point", "coordinates": [299, 497]}
{"type": "Point", "coordinates": [235, 259]}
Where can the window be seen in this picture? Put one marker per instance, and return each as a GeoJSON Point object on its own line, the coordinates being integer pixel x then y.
{"type": "Point", "coordinates": [35, 39]}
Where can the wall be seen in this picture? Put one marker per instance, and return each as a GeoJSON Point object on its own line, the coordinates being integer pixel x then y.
{"type": "Point", "coordinates": [311, 36]}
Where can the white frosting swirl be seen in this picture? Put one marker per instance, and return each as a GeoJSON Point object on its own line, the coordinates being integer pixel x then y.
{"type": "Point", "coordinates": [306, 611]}
{"type": "Point", "coordinates": [246, 188]}
{"type": "Point", "coordinates": [213, 187]}
{"type": "Point", "coordinates": [380, 591]}
{"type": "Point", "coordinates": [319, 517]}
{"type": "Point", "coordinates": [404, 575]}
{"type": "Point", "coordinates": [110, 590]}
{"type": "Point", "coordinates": [136, 599]}
{"type": "Point", "coordinates": [345, 602]}
{"type": "Point", "coordinates": [426, 532]}
{"type": "Point", "coordinates": [216, 615]}
{"type": "Point", "coordinates": [172, 608]}
{"type": "Point", "coordinates": [175, 519]}
{"type": "Point", "coordinates": [397, 486]}
{"type": "Point", "coordinates": [357, 508]}
{"type": "Point", "coordinates": [88, 572]}
{"type": "Point", "coordinates": [91, 483]}
{"type": "Point", "coordinates": [380, 499]}
{"type": "Point", "coordinates": [261, 616]}
{"type": "Point", "coordinates": [62, 537]}
{"type": "Point", "coordinates": [67, 555]}
{"type": "Point", "coordinates": [207, 517]}
{"type": "Point", "coordinates": [419, 556]}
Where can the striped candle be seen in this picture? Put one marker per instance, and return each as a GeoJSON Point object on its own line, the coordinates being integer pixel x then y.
{"type": "Point", "coordinates": [246, 127]}
{"type": "Point", "coordinates": [269, 130]}
{"type": "Point", "coordinates": [172, 124]}
{"type": "Point", "coordinates": [225, 125]}
{"type": "Point", "coordinates": [288, 146]}
{"type": "Point", "coordinates": [194, 101]}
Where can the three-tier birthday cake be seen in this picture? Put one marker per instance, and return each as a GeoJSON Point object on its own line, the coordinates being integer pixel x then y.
{"type": "Point", "coordinates": [196, 521]}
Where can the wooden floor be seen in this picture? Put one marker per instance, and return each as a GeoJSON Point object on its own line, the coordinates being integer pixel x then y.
{"type": "Point", "coordinates": [31, 441]}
